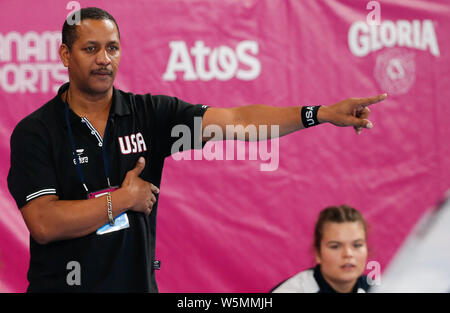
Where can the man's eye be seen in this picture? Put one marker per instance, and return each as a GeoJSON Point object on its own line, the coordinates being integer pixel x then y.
{"type": "Point", "coordinates": [113, 48]}
{"type": "Point", "coordinates": [90, 49]}
{"type": "Point", "coordinates": [334, 247]}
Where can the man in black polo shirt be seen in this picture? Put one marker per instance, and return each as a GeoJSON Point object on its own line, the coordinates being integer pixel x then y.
{"type": "Point", "coordinates": [86, 166]}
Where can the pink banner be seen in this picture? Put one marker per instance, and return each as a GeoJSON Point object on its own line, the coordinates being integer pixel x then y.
{"type": "Point", "coordinates": [227, 225]}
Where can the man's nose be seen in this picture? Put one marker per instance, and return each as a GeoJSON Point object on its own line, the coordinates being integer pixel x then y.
{"type": "Point", "coordinates": [103, 57]}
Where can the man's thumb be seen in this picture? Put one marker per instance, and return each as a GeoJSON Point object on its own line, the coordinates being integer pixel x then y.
{"type": "Point", "coordinates": [368, 124]}
{"type": "Point", "coordinates": [139, 166]}
{"type": "Point", "coordinates": [358, 122]}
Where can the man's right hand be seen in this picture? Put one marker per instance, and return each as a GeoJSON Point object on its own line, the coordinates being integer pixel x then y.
{"type": "Point", "coordinates": [141, 193]}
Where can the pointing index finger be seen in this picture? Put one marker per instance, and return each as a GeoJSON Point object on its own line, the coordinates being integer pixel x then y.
{"type": "Point", "coordinates": [368, 101]}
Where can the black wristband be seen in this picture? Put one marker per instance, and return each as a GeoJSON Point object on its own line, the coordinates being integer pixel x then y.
{"type": "Point", "coordinates": [309, 116]}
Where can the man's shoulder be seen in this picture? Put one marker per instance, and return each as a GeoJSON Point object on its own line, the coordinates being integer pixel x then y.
{"type": "Point", "coordinates": [148, 104]}
{"type": "Point", "coordinates": [144, 98]}
{"type": "Point", "coordinates": [131, 97]}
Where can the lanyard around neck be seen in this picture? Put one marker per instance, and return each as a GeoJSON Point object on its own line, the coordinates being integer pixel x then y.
{"type": "Point", "coordinates": [75, 155]}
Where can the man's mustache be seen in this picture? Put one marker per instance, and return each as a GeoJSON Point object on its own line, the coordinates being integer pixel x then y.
{"type": "Point", "coordinates": [102, 71]}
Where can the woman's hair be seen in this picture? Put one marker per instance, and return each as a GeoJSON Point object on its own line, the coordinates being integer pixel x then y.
{"type": "Point", "coordinates": [336, 214]}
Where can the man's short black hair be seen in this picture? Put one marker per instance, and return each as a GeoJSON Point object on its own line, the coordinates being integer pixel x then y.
{"type": "Point", "coordinates": [69, 32]}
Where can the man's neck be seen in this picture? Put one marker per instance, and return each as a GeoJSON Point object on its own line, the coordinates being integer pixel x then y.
{"type": "Point", "coordinates": [89, 105]}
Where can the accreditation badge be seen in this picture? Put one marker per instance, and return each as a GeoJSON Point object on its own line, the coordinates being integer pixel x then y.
{"type": "Point", "coordinates": [120, 222]}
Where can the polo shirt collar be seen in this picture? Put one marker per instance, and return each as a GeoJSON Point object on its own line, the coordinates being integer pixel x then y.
{"type": "Point", "coordinates": [119, 107]}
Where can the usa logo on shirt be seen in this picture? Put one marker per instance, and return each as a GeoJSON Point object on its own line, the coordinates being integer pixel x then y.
{"type": "Point", "coordinates": [133, 143]}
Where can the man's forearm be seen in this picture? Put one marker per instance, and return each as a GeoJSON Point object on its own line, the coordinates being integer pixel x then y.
{"type": "Point", "coordinates": [50, 219]}
{"type": "Point", "coordinates": [286, 118]}
{"type": "Point", "coordinates": [260, 122]}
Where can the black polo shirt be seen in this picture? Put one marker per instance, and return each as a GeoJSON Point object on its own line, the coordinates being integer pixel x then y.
{"type": "Point", "coordinates": [42, 163]}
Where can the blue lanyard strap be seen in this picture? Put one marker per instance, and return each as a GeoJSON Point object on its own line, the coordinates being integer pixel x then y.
{"type": "Point", "coordinates": [105, 155]}
{"type": "Point", "coordinates": [75, 155]}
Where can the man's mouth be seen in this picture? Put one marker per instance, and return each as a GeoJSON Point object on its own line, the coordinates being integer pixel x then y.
{"type": "Point", "coordinates": [102, 72]}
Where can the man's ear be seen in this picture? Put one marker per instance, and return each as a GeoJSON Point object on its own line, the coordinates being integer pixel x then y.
{"type": "Point", "coordinates": [64, 54]}
{"type": "Point", "coordinates": [317, 256]}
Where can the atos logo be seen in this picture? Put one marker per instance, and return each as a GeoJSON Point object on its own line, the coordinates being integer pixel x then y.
{"type": "Point", "coordinates": [204, 63]}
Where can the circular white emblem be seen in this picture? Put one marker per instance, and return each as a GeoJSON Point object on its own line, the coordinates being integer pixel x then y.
{"type": "Point", "coordinates": [395, 71]}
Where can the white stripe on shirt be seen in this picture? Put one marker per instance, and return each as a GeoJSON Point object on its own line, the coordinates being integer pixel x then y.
{"type": "Point", "coordinates": [40, 193]}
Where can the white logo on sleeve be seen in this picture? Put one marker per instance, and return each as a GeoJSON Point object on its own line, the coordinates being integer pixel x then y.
{"type": "Point", "coordinates": [133, 143]}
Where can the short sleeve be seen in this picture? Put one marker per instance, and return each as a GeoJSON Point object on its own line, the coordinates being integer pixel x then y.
{"type": "Point", "coordinates": [179, 123]}
{"type": "Point", "coordinates": [32, 172]}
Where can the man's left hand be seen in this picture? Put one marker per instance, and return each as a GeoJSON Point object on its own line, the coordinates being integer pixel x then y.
{"type": "Point", "coordinates": [350, 112]}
